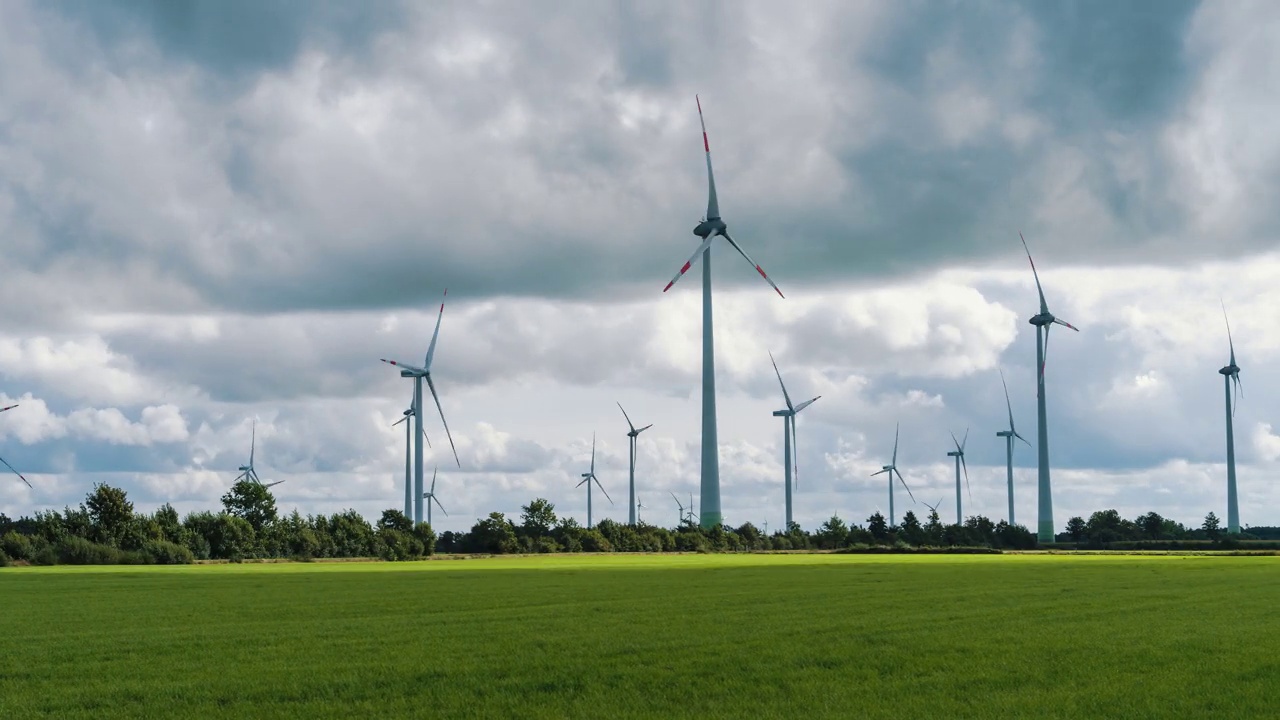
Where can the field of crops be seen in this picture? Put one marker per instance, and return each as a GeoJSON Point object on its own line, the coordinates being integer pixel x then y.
{"type": "Point", "coordinates": [648, 636]}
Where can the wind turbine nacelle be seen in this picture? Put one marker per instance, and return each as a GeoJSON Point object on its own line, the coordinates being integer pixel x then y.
{"type": "Point", "coordinates": [409, 374]}
{"type": "Point", "coordinates": [244, 468]}
{"type": "Point", "coordinates": [706, 227]}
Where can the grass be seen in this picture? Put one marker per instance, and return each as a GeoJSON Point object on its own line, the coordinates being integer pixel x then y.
{"type": "Point", "coordinates": [794, 636]}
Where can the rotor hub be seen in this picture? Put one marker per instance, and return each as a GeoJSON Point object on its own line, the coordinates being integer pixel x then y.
{"type": "Point", "coordinates": [1042, 319]}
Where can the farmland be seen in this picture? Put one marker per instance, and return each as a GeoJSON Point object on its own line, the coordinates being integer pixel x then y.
{"type": "Point", "coordinates": [647, 636]}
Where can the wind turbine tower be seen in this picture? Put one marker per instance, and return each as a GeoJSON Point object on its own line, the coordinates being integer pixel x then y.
{"type": "Point", "coordinates": [892, 468]}
{"type": "Point", "coordinates": [419, 374]}
{"type": "Point", "coordinates": [1008, 436]}
{"type": "Point", "coordinates": [788, 416]}
{"type": "Point", "coordinates": [1231, 374]}
{"type": "Point", "coordinates": [408, 484]}
{"type": "Point", "coordinates": [710, 227]}
{"type": "Point", "coordinates": [430, 497]}
{"type": "Point", "coordinates": [632, 438]}
{"type": "Point", "coordinates": [1043, 322]}
{"type": "Point", "coordinates": [590, 477]}
{"type": "Point", "coordinates": [958, 454]}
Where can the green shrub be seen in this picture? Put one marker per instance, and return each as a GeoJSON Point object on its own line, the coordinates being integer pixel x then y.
{"type": "Point", "coordinates": [73, 550]}
{"type": "Point", "coordinates": [17, 547]}
{"type": "Point", "coordinates": [162, 552]}
{"type": "Point", "coordinates": [4, 559]}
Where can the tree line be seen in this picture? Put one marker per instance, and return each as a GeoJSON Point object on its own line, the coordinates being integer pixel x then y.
{"type": "Point", "coordinates": [105, 529]}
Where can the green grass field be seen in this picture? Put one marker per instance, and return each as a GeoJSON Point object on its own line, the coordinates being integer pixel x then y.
{"type": "Point", "coordinates": [649, 636]}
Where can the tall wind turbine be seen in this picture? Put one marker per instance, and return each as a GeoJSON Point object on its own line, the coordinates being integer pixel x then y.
{"type": "Point", "coordinates": [408, 484]}
{"type": "Point", "coordinates": [246, 471]}
{"type": "Point", "coordinates": [589, 478]}
{"type": "Point", "coordinates": [710, 227]}
{"type": "Point", "coordinates": [1043, 321]}
{"type": "Point", "coordinates": [788, 416]}
{"type": "Point", "coordinates": [631, 442]}
{"type": "Point", "coordinates": [6, 462]}
{"type": "Point", "coordinates": [958, 454]}
{"type": "Point", "coordinates": [419, 374]}
{"type": "Point", "coordinates": [1008, 436]}
{"type": "Point", "coordinates": [430, 496]}
{"type": "Point", "coordinates": [1230, 374]}
{"type": "Point", "coordinates": [892, 468]}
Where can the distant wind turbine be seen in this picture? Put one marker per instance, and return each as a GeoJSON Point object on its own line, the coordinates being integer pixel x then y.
{"type": "Point", "coordinates": [6, 462]}
{"type": "Point", "coordinates": [589, 478]}
{"type": "Point", "coordinates": [430, 496]}
{"type": "Point", "coordinates": [788, 416]}
{"type": "Point", "coordinates": [408, 484]}
{"type": "Point", "coordinates": [1043, 321]}
{"type": "Point", "coordinates": [246, 471]}
{"type": "Point", "coordinates": [1008, 436]}
{"type": "Point", "coordinates": [892, 468]}
{"type": "Point", "coordinates": [1231, 374]}
{"type": "Point", "coordinates": [419, 374]}
{"type": "Point", "coordinates": [632, 438]}
{"type": "Point", "coordinates": [958, 454]}
{"type": "Point", "coordinates": [710, 227]}
{"type": "Point", "coordinates": [933, 509]}
{"type": "Point", "coordinates": [639, 506]}
{"type": "Point", "coordinates": [681, 506]}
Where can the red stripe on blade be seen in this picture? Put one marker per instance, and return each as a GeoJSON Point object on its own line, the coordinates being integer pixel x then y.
{"type": "Point", "coordinates": [668, 287]}
{"type": "Point", "coordinates": [685, 269]}
{"type": "Point", "coordinates": [705, 145]}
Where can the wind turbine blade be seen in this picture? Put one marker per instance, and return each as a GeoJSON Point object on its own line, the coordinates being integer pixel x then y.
{"type": "Point", "coordinates": [965, 441]}
{"type": "Point", "coordinates": [406, 417]}
{"type": "Point", "coordinates": [436, 397]}
{"type": "Point", "coordinates": [881, 472]}
{"type": "Point", "coordinates": [436, 500]}
{"type": "Point", "coordinates": [753, 263]}
{"type": "Point", "coordinates": [1015, 434]}
{"type": "Point", "coordinates": [431, 350]}
{"type": "Point", "coordinates": [424, 437]}
{"type": "Point", "coordinates": [965, 465]}
{"type": "Point", "coordinates": [646, 427]}
{"type": "Point", "coordinates": [273, 484]}
{"type": "Point", "coordinates": [253, 439]}
{"type": "Point", "coordinates": [904, 484]}
{"type": "Point", "coordinates": [434, 472]}
{"type": "Point", "coordinates": [1007, 404]}
{"type": "Point", "coordinates": [15, 472]}
{"type": "Point", "coordinates": [785, 396]}
{"type": "Point", "coordinates": [1044, 307]}
{"type": "Point", "coordinates": [805, 404]}
{"type": "Point", "coordinates": [593, 453]}
{"type": "Point", "coordinates": [606, 493]}
{"type": "Point", "coordinates": [1045, 356]}
{"type": "Point", "coordinates": [1064, 323]}
{"type": "Point", "coordinates": [713, 206]}
{"type": "Point", "coordinates": [585, 478]}
{"type": "Point", "coordinates": [956, 442]}
{"type": "Point", "coordinates": [406, 366]}
{"type": "Point", "coordinates": [624, 414]}
{"type": "Point", "coordinates": [1230, 343]}
{"type": "Point", "coordinates": [8, 408]}
{"type": "Point", "coordinates": [894, 461]}
{"type": "Point", "coordinates": [678, 503]}
{"type": "Point", "coordinates": [692, 259]}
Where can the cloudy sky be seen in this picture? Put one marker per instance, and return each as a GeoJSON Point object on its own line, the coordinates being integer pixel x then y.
{"type": "Point", "coordinates": [212, 212]}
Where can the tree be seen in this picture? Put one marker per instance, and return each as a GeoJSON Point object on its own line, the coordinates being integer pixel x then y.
{"type": "Point", "coordinates": [166, 519]}
{"type": "Point", "coordinates": [110, 512]}
{"type": "Point", "coordinates": [1151, 525]}
{"type": "Point", "coordinates": [395, 520]}
{"type": "Point", "coordinates": [878, 527]}
{"type": "Point", "coordinates": [252, 502]}
{"type": "Point", "coordinates": [494, 534]}
{"type": "Point", "coordinates": [1211, 526]}
{"type": "Point", "coordinates": [537, 518]}
{"type": "Point", "coordinates": [832, 534]}
{"type": "Point", "coordinates": [1075, 528]}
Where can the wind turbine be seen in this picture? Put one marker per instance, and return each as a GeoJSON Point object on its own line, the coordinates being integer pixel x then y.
{"type": "Point", "coordinates": [933, 509]}
{"type": "Point", "coordinates": [788, 435]}
{"type": "Point", "coordinates": [1230, 374]}
{"type": "Point", "coordinates": [681, 506]}
{"type": "Point", "coordinates": [246, 471]}
{"type": "Point", "coordinates": [6, 462]}
{"type": "Point", "coordinates": [958, 454]}
{"type": "Point", "coordinates": [430, 496]}
{"type": "Point", "coordinates": [1008, 436]}
{"type": "Point", "coordinates": [589, 478]}
{"type": "Point", "coordinates": [419, 374]}
{"type": "Point", "coordinates": [1043, 321]}
{"type": "Point", "coordinates": [639, 506]}
{"type": "Point", "coordinates": [631, 442]}
{"type": "Point", "coordinates": [711, 226]}
{"type": "Point", "coordinates": [408, 485]}
{"type": "Point", "coordinates": [892, 468]}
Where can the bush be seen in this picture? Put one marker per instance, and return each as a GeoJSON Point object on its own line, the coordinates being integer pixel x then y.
{"type": "Point", "coordinates": [17, 547]}
{"type": "Point", "coordinates": [162, 552]}
{"type": "Point", "coordinates": [4, 559]}
{"type": "Point", "coordinates": [75, 550]}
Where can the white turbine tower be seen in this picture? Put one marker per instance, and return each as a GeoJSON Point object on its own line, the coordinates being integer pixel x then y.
{"type": "Point", "coordinates": [408, 455]}
{"type": "Point", "coordinates": [681, 506]}
{"type": "Point", "coordinates": [958, 454]}
{"type": "Point", "coordinates": [1043, 321]}
{"type": "Point", "coordinates": [640, 506]}
{"type": "Point", "coordinates": [419, 374]}
{"type": "Point", "coordinates": [788, 416]}
{"type": "Point", "coordinates": [246, 471]}
{"type": "Point", "coordinates": [711, 227]}
{"type": "Point", "coordinates": [6, 462]}
{"type": "Point", "coordinates": [1230, 374]}
{"type": "Point", "coordinates": [892, 468]}
{"type": "Point", "coordinates": [632, 438]}
{"type": "Point", "coordinates": [430, 496]}
{"type": "Point", "coordinates": [590, 478]}
{"type": "Point", "coordinates": [1008, 436]}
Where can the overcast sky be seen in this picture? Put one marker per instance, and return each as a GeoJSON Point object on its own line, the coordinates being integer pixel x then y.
{"type": "Point", "coordinates": [215, 211]}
